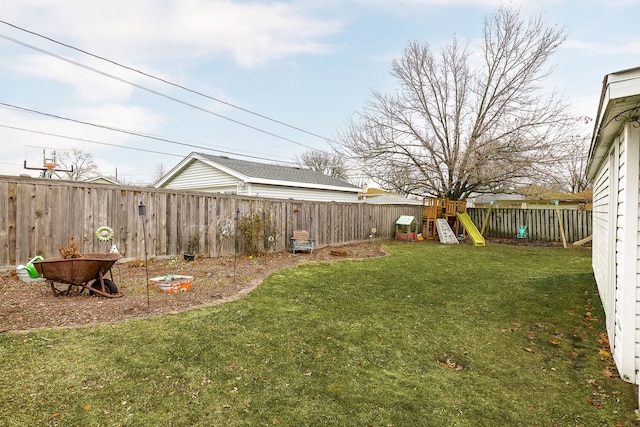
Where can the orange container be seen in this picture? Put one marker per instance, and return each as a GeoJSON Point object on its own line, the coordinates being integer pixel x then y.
{"type": "Point", "coordinates": [172, 283]}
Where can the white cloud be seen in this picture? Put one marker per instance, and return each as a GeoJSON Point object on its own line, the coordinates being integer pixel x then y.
{"type": "Point", "coordinates": [611, 48]}
{"type": "Point", "coordinates": [21, 145]}
{"type": "Point", "coordinates": [524, 4]}
{"type": "Point", "coordinates": [89, 86]}
{"type": "Point", "coordinates": [119, 116]}
{"type": "Point", "coordinates": [253, 33]}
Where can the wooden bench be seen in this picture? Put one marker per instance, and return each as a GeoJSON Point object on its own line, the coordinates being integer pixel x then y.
{"type": "Point", "coordinates": [300, 241]}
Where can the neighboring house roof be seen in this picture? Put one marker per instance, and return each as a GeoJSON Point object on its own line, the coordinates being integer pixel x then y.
{"type": "Point", "coordinates": [263, 173]}
{"type": "Point", "coordinates": [619, 100]}
{"type": "Point", "coordinates": [371, 191]}
{"type": "Point", "coordinates": [390, 199]}
{"type": "Point", "coordinates": [102, 180]}
{"type": "Point", "coordinates": [532, 193]}
{"type": "Point", "coordinates": [537, 192]}
{"type": "Point", "coordinates": [485, 199]}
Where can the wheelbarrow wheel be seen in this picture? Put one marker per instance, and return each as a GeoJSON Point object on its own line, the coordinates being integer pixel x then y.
{"type": "Point", "coordinates": [109, 286]}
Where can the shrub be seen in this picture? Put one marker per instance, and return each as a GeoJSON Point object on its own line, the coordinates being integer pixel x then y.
{"type": "Point", "coordinates": [258, 231]}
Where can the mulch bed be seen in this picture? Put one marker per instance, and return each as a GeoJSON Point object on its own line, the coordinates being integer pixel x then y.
{"type": "Point", "coordinates": [26, 306]}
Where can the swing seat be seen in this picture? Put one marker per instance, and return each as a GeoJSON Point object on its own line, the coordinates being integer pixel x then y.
{"type": "Point", "coordinates": [522, 232]}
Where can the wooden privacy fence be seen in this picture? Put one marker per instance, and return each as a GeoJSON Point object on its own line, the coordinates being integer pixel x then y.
{"type": "Point", "coordinates": [542, 224]}
{"type": "Point", "coordinates": [37, 215]}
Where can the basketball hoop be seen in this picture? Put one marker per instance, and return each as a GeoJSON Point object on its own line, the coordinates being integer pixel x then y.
{"type": "Point", "coordinates": [49, 166]}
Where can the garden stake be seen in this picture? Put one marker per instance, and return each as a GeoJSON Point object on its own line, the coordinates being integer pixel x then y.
{"type": "Point", "coordinates": [235, 246]}
{"type": "Point", "coordinates": [142, 211]}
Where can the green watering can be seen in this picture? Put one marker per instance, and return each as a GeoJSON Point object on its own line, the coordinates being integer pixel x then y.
{"type": "Point", "coordinates": [31, 269]}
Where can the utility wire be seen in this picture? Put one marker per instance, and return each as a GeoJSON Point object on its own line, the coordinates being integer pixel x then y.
{"type": "Point", "coordinates": [262, 116]}
{"type": "Point", "coordinates": [155, 92]}
{"type": "Point", "coordinates": [85, 140]}
{"type": "Point", "coordinates": [129, 132]}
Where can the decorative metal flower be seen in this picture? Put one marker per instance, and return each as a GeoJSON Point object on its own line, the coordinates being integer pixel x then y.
{"type": "Point", "coordinates": [226, 227]}
{"type": "Point", "coordinates": [104, 233]}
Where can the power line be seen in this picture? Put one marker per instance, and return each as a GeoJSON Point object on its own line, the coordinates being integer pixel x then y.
{"type": "Point", "coordinates": [129, 132]}
{"type": "Point", "coordinates": [262, 116]}
{"type": "Point", "coordinates": [84, 140]}
{"type": "Point", "coordinates": [155, 92]}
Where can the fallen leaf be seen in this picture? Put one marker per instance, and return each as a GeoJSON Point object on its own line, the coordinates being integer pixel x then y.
{"type": "Point", "coordinates": [595, 403]}
{"type": "Point", "coordinates": [86, 407]}
{"type": "Point", "coordinates": [448, 363]}
{"type": "Point", "coordinates": [607, 372]}
{"type": "Point", "coordinates": [529, 349]}
{"type": "Point", "coordinates": [604, 353]}
{"type": "Point", "coordinates": [554, 342]}
{"type": "Point", "coordinates": [54, 415]}
{"type": "Point", "coordinates": [589, 316]}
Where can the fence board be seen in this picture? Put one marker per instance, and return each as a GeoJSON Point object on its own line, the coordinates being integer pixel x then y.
{"type": "Point", "coordinates": [36, 215]}
{"type": "Point", "coordinates": [542, 224]}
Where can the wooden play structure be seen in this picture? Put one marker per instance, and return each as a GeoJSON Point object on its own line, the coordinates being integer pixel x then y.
{"type": "Point", "coordinates": [436, 211]}
{"type": "Point", "coordinates": [434, 208]}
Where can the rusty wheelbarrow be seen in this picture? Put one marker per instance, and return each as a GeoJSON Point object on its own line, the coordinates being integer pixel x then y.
{"type": "Point", "coordinates": [79, 272]}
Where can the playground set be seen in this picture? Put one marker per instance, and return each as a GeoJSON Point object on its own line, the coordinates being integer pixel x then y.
{"type": "Point", "coordinates": [446, 219]}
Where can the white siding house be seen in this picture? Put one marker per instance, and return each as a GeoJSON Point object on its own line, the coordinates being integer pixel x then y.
{"type": "Point", "coordinates": [203, 172]}
{"type": "Point", "coordinates": [614, 168]}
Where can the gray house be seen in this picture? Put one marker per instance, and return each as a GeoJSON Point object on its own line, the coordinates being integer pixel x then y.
{"type": "Point", "coordinates": [614, 168]}
{"type": "Point", "coordinates": [204, 172]}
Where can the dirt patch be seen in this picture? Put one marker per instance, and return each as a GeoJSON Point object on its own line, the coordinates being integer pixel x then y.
{"type": "Point", "coordinates": [32, 305]}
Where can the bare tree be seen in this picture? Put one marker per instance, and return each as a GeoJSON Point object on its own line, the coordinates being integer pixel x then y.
{"type": "Point", "coordinates": [158, 173]}
{"type": "Point", "coordinates": [325, 162]}
{"type": "Point", "coordinates": [570, 171]}
{"type": "Point", "coordinates": [454, 128]}
{"type": "Point", "coordinates": [80, 161]}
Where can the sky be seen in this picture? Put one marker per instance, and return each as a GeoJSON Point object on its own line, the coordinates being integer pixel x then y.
{"type": "Point", "coordinates": [256, 80]}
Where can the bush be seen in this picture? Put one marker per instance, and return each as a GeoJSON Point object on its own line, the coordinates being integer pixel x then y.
{"type": "Point", "coordinates": [258, 231]}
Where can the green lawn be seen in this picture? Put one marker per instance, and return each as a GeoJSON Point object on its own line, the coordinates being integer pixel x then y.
{"type": "Point", "coordinates": [432, 335]}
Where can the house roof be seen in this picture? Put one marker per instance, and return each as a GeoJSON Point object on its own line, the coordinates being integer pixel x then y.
{"type": "Point", "coordinates": [537, 192]}
{"type": "Point", "coordinates": [390, 199]}
{"type": "Point", "coordinates": [619, 103]}
{"type": "Point", "coordinates": [102, 180]}
{"type": "Point", "coordinates": [372, 191]}
{"type": "Point", "coordinates": [264, 173]}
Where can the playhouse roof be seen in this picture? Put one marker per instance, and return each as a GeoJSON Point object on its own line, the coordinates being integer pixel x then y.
{"type": "Point", "coordinates": [406, 220]}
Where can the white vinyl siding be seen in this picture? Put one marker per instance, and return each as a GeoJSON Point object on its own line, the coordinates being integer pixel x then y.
{"type": "Point", "coordinates": [602, 247]}
{"type": "Point", "coordinates": [614, 167]}
{"type": "Point", "coordinates": [626, 336]}
{"type": "Point", "coordinates": [199, 176]}
{"type": "Point", "coordinates": [296, 193]}
{"type": "Point", "coordinates": [616, 218]}
{"type": "Point", "coordinates": [633, 138]}
{"type": "Point", "coordinates": [618, 336]}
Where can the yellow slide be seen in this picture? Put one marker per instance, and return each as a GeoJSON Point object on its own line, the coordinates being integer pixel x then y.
{"type": "Point", "coordinates": [472, 231]}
